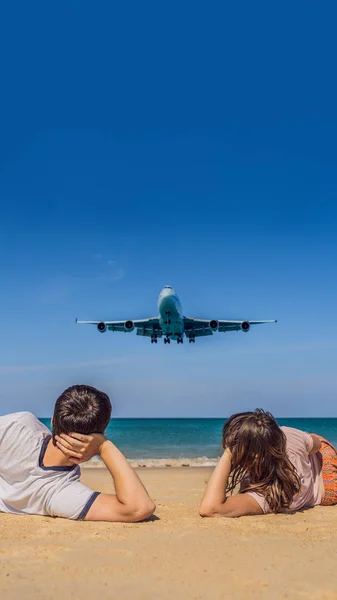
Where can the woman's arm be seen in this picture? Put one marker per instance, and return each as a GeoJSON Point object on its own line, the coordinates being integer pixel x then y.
{"type": "Point", "coordinates": [215, 494]}
{"type": "Point", "coordinates": [215, 503]}
{"type": "Point", "coordinates": [316, 443]}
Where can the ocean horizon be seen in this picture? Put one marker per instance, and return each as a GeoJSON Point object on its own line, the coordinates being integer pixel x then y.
{"type": "Point", "coordinates": [190, 441]}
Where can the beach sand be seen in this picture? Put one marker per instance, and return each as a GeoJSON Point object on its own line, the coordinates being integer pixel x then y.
{"type": "Point", "coordinates": [175, 555]}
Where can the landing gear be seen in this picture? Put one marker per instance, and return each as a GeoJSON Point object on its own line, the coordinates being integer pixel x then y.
{"type": "Point", "coordinates": [192, 339]}
{"type": "Point", "coordinates": [180, 339]}
{"type": "Point", "coordinates": [154, 339]}
{"type": "Point", "coordinates": [167, 340]}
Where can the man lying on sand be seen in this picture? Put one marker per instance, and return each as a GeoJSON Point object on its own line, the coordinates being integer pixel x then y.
{"type": "Point", "coordinates": [39, 472]}
{"type": "Point", "coordinates": [277, 469]}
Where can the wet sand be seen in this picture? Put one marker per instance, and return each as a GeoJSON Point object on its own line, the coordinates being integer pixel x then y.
{"type": "Point", "coordinates": [175, 555]}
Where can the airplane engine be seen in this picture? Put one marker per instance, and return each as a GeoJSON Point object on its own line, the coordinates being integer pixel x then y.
{"type": "Point", "coordinates": [129, 326]}
{"type": "Point", "coordinates": [245, 326]}
{"type": "Point", "coordinates": [214, 325]}
{"type": "Point", "coordinates": [101, 327]}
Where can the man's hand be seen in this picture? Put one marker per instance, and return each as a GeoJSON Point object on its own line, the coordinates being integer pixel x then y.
{"type": "Point", "coordinates": [80, 448]}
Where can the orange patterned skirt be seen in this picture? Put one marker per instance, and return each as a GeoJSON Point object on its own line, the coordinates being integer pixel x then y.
{"type": "Point", "coordinates": [329, 473]}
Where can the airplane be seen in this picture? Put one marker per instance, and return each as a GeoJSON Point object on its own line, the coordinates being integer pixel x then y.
{"type": "Point", "coordinates": [171, 324]}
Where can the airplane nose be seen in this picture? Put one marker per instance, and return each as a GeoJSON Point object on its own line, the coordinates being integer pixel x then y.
{"type": "Point", "coordinates": [167, 291]}
{"type": "Point", "coordinates": [165, 299]}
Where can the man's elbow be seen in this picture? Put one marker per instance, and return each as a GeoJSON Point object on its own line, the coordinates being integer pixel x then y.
{"type": "Point", "coordinates": [142, 511]}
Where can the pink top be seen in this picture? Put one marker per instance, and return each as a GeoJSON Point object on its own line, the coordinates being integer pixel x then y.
{"type": "Point", "coordinates": [308, 468]}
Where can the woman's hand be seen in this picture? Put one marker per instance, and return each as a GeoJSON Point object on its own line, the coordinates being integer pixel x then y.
{"type": "Point", "coordinates": [79, 448]}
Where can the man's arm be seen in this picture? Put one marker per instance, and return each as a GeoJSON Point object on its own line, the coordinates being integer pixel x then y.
{"type": "Point", "coordinates": [131, 502]}
{"type": "Point", "coordinates": [215, 503]}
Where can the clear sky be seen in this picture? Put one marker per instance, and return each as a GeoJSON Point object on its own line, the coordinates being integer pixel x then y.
{"type": "Point", "coordinates": [190, 144]}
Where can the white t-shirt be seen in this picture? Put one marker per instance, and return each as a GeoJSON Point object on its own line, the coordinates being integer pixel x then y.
{"type": "Point", "coordinates": [26, 485]}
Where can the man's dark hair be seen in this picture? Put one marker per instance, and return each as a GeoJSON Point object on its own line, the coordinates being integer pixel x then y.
{"type": "Point", "coordinates": [81, 409]}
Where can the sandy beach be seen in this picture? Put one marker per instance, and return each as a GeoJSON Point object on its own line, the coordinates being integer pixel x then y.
{"type": "Point", "coordinates": [175, 555]}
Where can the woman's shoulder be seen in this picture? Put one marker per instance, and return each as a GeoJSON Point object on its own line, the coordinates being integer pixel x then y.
{"type": "Point", "coordinates": [298, 441]}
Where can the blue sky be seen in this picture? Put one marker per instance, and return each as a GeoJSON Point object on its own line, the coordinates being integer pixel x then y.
{"type": "Point", "coordinates": [143, 145]}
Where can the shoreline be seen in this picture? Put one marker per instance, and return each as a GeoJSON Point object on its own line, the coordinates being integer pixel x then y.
{"type": "Point", "coordinates": [162, 463]}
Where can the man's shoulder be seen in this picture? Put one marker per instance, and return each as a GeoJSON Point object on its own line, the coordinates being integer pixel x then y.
{"type": "Point", "coordinates": [21, 436]}
{"type": "Point", "coordinates": [18, 417]}
{"type": "Point", "coordinates": [22, 419]}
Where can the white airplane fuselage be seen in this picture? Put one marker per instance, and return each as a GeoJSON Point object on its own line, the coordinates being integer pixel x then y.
{"type": "Point", "coordinates": [170, 313]}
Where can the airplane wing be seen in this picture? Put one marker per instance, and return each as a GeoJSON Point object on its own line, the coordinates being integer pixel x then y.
{"type": "Point", "coordinates": [144, 326]}
{"type": "Point", "coordinates": [201, 327]}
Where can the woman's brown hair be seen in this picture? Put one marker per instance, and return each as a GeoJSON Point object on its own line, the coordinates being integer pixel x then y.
{"type": "Point", "coordinates": [259, 460]}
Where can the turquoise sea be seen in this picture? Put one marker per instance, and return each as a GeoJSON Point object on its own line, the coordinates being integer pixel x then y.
{"type": "Point", "coordinates": [188, 438]}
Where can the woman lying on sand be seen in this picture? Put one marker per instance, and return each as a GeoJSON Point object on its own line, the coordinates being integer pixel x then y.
{"type": "Point", "coordinates": [277, 469]}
